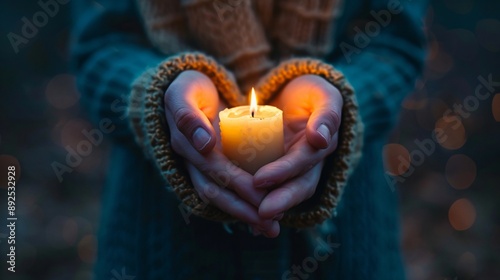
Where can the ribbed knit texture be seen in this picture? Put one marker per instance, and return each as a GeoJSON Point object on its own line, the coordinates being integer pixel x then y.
{"type": "Point", "coordinates": [148, 120]}
{"type": "Point", "coordinates": [304, 27]}
{"type": "Point", "coordinates": [166, 25]}
{"type": "Point", "coordinates": [232, 32]}
{"type": "Point", "coordinates": [348, 152]}
{"type": "Point", "coordinates": [235, 38]}
{"type": "Point", "coordinates": [142, 229]}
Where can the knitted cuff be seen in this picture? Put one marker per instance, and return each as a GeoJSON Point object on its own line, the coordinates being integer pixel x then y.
{"type": "Point", "coordinates": [340, 164]}
{"type": "Point", "coordinates": [147, 118]}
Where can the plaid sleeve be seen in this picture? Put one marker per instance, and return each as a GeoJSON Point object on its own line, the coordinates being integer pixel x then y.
{"type": "Point", "coordinates": [109, 50]}
{"type": "Point", "coordinates": [383, 68]}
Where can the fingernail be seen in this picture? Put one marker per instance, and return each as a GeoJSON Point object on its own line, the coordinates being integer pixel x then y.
{"type": "Point", "coordinates": [265, 184]}
{"type": "Point", "coordinates": [201, 138]}
{"type": "Point", "coordinates": [324, 132]}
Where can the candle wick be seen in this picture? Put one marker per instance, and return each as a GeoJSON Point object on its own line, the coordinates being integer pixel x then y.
{"type": "Point", "coordinates": [253, 113]}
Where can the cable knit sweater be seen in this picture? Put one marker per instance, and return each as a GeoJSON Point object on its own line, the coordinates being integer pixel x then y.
{"type": "Point", "coordinates": [126, 55]}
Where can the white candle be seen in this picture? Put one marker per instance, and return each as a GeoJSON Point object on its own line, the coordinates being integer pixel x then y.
{"type": "Point", "coordinates": [252, 136]}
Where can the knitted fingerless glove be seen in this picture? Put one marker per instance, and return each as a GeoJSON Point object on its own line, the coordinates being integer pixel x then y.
{"type": "Point", "coordinates": [147, 117]}
{"type": "Point", "coordinates": [340, 164]}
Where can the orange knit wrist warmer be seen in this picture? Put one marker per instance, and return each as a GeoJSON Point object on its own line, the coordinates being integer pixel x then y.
{"type": "Point", "coordinates": [147, 117]}
{"type": "Point", "coordinates": [348, 152]}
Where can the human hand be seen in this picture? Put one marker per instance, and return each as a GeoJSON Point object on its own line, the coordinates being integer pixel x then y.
{"type": "Point", "coordinates": [191, 109]}
{"type": "Point", "coordinates": [312, 109]}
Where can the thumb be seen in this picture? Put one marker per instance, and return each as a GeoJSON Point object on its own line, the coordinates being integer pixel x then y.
{"type": "Point", "coordinates": [183, 99]}
{"type": "Point", "coordinates": [325, 107]}
{"type": "Point", "coordinates": [322, 127]}
{"type": "Point", "coordinates": [195, 126]}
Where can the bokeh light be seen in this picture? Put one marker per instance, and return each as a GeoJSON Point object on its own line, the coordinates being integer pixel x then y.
{"type": "Point", "coordinates": [61, 91]}
{"type": "Point", "coordinates": [488, 34]}
{"type": "Point", "coordinates": [462, 214]}
{"type": "Point", "coordinates": [433, 46]}
{"type": "Point", "coordinates": [411, 103]}
{"type": "Point", "coordinates": [441, 64]}
{"type": "Point", "coordinates": [452, 132]}
{"type": "Point", "coordinates": [434, 189]}
{"type": "Point", "coordinates": [396, 159]}
{"type": "Point", "coordinates": [72, 132]}
{"type": "Point", "coordinates": [460, 171]}
{"type": "Point", "coordinates": [70, 231]}
{"type": "Point", "coordinates": [416, 101]}
{"type": "Point", "coordinates": [495, 107]}
{"type": "Point", "coordinates": [87, 248]}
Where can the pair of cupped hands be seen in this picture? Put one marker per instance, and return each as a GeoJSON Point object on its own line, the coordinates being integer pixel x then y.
{"type": "Point", "coordinates": [312, 110]}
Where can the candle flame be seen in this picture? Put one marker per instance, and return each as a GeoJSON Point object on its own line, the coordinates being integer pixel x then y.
{"type": "Point", "coordinates": [253, 103]}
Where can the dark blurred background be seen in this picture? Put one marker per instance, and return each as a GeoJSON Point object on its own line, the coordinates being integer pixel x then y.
{"type": "Point", "coordinates": [449, 190]}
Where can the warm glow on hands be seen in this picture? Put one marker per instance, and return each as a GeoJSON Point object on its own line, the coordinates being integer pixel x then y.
{"type": "Point", "coordinates": [312, 109]}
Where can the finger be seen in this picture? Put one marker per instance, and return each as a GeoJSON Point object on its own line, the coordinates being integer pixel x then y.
{"type": "Point", "coordinates": [188, 100]}
{"type": "Point", "coordinates": [229, 202]}
{"type": "Point", "coordinates": [290, 194]}
{"type": "Point", "coordinates": [321, 127]}
{"type": "Point", "coordinates": [274, 230]}
{"type": "Point", "coordinates": [300, 158]}
{"type": "Point", "coordinates": [223, 198]}
{"type": "Point", "coordinates": [280, 216]}
{"type": "Point", "coordinates": [218, 167]}
{"type": "Point", "coordinates": [227, 175]}
{"type": "Point", "coordinates": [324, 122]}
